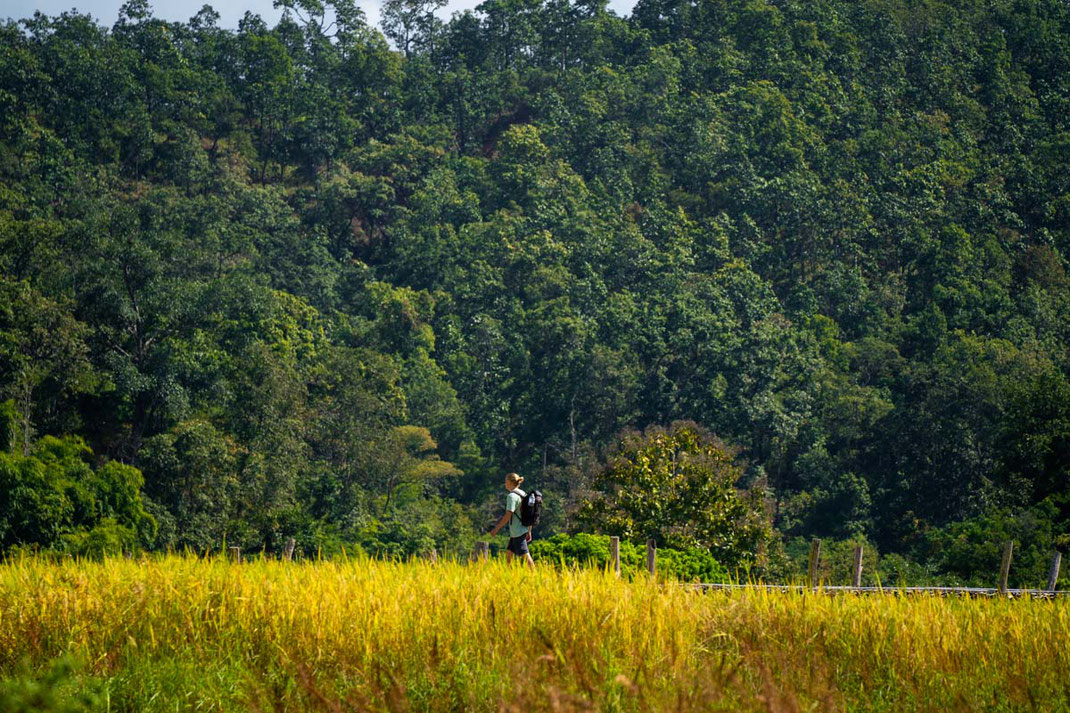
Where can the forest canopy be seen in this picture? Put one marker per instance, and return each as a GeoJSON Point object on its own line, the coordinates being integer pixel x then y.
{"type": "Point", "coordinates": [319, 281]}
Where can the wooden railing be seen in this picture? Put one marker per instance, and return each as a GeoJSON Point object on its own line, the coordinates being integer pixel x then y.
{"type": "Point", "coordinates": [482, 552]}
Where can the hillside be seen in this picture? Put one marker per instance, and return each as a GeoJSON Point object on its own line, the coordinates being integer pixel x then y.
{"type": "Point", "coordinates": [293, 281]}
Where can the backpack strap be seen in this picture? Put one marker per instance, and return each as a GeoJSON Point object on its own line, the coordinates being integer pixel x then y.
{"type": "Point", "coordinates": [520, 504]}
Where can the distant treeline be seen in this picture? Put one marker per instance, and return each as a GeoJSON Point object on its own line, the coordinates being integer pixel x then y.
{"type": "Point", "coordinates": [293, 281]}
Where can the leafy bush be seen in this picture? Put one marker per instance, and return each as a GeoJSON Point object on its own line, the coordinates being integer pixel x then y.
{"type": "Point", "coordinates": [586, 550]}
{"type": "Point", "coordinates": [964, 554]}
{"type": "Point", "coordinates": [424, 524]}
{"type": "Point", "coordinates": [836, 565]}
{"type": "Point", "coordinates": [970, 552]}
{"type": "Point", "coordinates": [107, 537]}
{"type": "Point", "coordinates": [53, 497]}
{"type": "Point", "coordinates": [678, 486]}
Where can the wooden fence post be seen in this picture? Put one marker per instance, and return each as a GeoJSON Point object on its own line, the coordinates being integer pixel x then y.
{"type": "Point", "coordinates": [234, 553]}
{"type": "Point", "coordinates": [288, 550]}
{"type": "Point", "coordinates": [815, 558]}
{"type": "Point", "coordinates": [856, 580]}
{"type": "Point", "coordinates": [481, 552]}
{"type": "Point", "coordinates": [1005, 567]}
{"type": "Point", "coordinates": [614, 554]}
{"type": "Point", "coordinates": [1053, 573]}
{"type": "Point", "coordinates": [651, 557]}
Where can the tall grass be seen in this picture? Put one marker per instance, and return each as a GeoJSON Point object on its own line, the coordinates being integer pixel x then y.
{"type": "Point", "coordinates": [180, 633]}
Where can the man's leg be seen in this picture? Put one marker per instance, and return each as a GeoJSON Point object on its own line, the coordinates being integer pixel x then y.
{"type": "Point", "coordinates": [531, 562]}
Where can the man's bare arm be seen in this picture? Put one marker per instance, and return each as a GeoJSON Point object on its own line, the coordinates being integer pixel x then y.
{"type": "Point", "coordinates": [501, 523]}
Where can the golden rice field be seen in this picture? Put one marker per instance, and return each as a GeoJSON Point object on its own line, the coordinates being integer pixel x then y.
{"type": "Point", "coordinates": [185, 634]}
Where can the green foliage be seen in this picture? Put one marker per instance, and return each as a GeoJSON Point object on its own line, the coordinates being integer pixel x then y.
{"type": "Point", "coordinates": [9, 424]}
{"type": "Point", "coordinates": [43, 360]}
{"type": "Point", "coordinates": [53, 497]}
{"type": "Point", "coordinates": [191, 471]}
{"type": "Point", "coordinates": [57, 689]}
{"type": "Point", "coordinates": [408, 464]}
{"type": "Point", "coordinates": [585, 550]}
{"type": "Point", "coordinates": [971, 551]}
{"type": "Point", "coordinates": [423, 525]}
{"type": "Point", "coordinates": [678, 486]}
{"type": "Point", "coordinates": [105, 538]}
{"type": "Point", "coordinates": [834, 233]}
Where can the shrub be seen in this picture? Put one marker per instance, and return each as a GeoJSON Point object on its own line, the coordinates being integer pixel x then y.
{"type": "Point", "coordinates": [54, 497]}
{"type": "Point", "coordinates": [586, 550]}
{"type": "Point", "coordinates": [678, 486]}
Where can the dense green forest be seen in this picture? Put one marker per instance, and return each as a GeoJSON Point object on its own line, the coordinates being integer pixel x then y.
{"type": "Point", "coordinates": [320, 281]}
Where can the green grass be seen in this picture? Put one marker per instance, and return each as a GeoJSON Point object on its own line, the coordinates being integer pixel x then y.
{"type": "Point", "coordinates": [185, 634]}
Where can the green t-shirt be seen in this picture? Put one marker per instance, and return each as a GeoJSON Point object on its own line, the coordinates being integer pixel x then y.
{"type": "Point", "coordinates": [512, 504]}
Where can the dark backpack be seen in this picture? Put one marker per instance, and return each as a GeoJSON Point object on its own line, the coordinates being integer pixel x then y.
{"type": "Point", "coordinates": [530, 509]}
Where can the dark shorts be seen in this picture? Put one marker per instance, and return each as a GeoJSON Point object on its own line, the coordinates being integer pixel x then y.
{"type": "Point", "coordinates": [518, 545]}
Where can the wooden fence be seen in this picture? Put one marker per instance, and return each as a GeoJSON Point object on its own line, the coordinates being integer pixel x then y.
{"type": "Point", "coordinates": [482, 552]}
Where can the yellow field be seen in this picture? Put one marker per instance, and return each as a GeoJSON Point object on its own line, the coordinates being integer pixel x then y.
{"type": "Point", "coordinates": [185, 634]}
